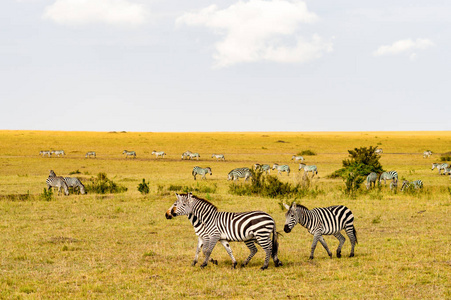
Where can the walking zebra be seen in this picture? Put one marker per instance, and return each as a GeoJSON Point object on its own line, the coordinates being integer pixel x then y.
{"type": "Point", "coordinates": [45, 152]}
{"type": "Point", "coordinates": [447, 171]}
{"type": "Point", "coordinates": [439, 167]}
{"type": "Point", "coordinates": [249, 227]}
{"type": "Point", "coordinates": [371, 179]}
{"type": "Point", "coordinates": [90, 153]}
{"type": "Point", "coordinates": [239, 173]}
{"type": "Point", "coordinates": [218, 156]}
{"type": "Point", "coordinates": [297, 158]}
{"type": "Point", "coordinates": [58, 152]}
{"type": "Point", "coordinates": [323, 221]}
{"type": "Point", "coordinates": [194, 155]}
{"type": "Point", "coordinates": [282, 168]}
{"type": "Point", "coordinates": [426, 154]}
{"type": "Point", "coordinates": [201, 171]}
{"type": "Point", "coordinates": [264, 168]}
{"type": "Point", "coordinates": [307, 169]}
{"type": "Point", "coordinates": [390, 175]}
{"type": "Point", "coordinates": [186, 155]}
{"type": "Point", "coordinates": [159, 153]}
{"type": "Point", "coordinates": [57, 182]}
{"type": "Point", "coordinates": [379, 151]}
{"type": "Point", "coordinates": [74, 183]}
{"type": "Point", "coordinates": [417, 184]}
{"type": "Point", "coordinates": [129, 153]}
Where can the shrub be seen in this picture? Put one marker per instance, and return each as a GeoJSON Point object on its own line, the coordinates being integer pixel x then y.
{"type": "Point", "coordinates": [445, 156]}
{"type": "Point", "coordinates": [143, 187]}
{"type": "Point", "coordinates": [75, 172]}
{"type": "Point", "coordinates": [46, 195]}
{"type": "Point", "coordinates": [102, 185]}
{"type": "Point", "coordinates": [306, 152]}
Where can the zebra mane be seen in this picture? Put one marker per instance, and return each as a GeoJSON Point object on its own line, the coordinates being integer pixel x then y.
{"type": "Point", "coordinates": [201, 200]}
{"type": "Point", "coordinates": [299, 205]}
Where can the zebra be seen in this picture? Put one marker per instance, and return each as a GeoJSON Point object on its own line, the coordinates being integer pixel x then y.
{"type": "Point", "coordinates": [159, 153]}
{"type": "Point", "coordinates": [447, 171]}
{"type": "Point", "coordinates": [379, 151]}
{"type": "Point", "coordinates": [281, 168]}
{"type": "Point", "coordinates": [371, 179]}
{"type": "Point", "coordinates": [90, 153]}
{"type": "Point", "coordinates": [194, 155]}
{"type": "Point", "coordinates": [427, 153]}
{"type": "Point", "coordinates": [417, 184]}
{"type": "Point", "coordinates": [186, 155]}
{"type": "Point", "coordinates": [390, 175]}
{"type": "Point", "coordinates": [439, 167]}
{"type": "Point", "coordinates": [129, 153]}
{"type": "Point", "coordinates": [52, 173]}
{"type": "Point", "coordinates": [249, 227]}
{"type": "Point", "coordinates": [394, 185]}
{"type": "Point", "coordinates": [239, 173]}
{"type": "Point", "coordinates": [307, 169]}
{"type": "Point", "coordinates": [74, 183]}
{"type": "Point", "coordinates": [58, 152]}
{"type": "Point", "coordinates": [57, 182]}
{"type": "Point", "coordinates": [297, 158]}
{"type": "Point", "coordinates": [201, 171]}
{"type": "Point", "coordinates": [45, 152]}
{"type": "Point", "coordinates": [264, 168]}
{"type": "Point", "coordinates": [323, 221]}
{"type": "Point", "coordinates": [218, 156]}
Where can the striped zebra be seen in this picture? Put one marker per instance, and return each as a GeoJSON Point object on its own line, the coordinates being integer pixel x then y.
{"type": "Point", "coordinates": [74, 182]}
{"type": "Point", "coordinates": [281, 168]}
{"type": "Point", "coordinates": [447, 171]}
{"type": "Point", "coordinates": [254, 227]}
{"type": "Point", "coordinates": [307, 169]}
{"type": "Point", "coordinates": [323, 221]}
{"type": "Point", "coordinates": [379, 151]}
{"type": "Point", "coordinates": [297, 158]}
{"type": "Point", "coordinates": [52, 173]}
{"type": "Point", "coordinates": [90, 153]}
{"type": "Point", "coordinates": [416, 184]}
{"type": "Point", "coordinates": [390, 175]}
{"type": "Point", "coordinates": [371, 179]}
{"type": "Point", "coordinates": [57, 182]}
{"type": "Point", "coordinates": [201, 171]}
{"type": "Point", "coordinates": [129, 153]}
{"type": "Point", "coordinates": [218, 156]}
{"type": "Point", "coordinates": [158, 153]}
{"type": "Point", "coordinates": [426, 154]}
{"type": "Point", "coordinates": [194, 155]}
{"type": "Point", "coordinates": [439, 167]}
{"type": "Point", "coordinates": [394, 185]}
{"type": "Point", "coordinates": [45, 152]}
{"type": "Point", "coordinates": [58, 152]}
{"type": "Point", "coordinates": [239, 173]}
{"type": "Point", "coordinates": [186, 155]}
{"type": "Point", "coordinates": [264, 168]}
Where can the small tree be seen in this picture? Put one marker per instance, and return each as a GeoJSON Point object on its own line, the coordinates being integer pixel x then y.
{"type": "Point", "coordinates": [143, 187]}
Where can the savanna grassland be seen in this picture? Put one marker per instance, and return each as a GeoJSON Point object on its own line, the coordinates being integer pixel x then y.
{"type": "Point", "coordinates": [122, 246]}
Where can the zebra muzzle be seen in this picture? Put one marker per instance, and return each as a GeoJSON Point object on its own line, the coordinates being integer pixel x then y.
{"type": "Point", "coordinates": [286, 229]}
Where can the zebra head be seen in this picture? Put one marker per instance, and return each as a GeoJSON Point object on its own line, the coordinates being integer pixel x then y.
{"type": "Point", "coordinates": [435, 165]}
{"type": "Point", "coordinates": [183, 205]}
{"type": "Point", "coordinates": [274, 166]}
{"type": "Point", "coordinates": [291, 217]}
{"type": "Point", "coordinates": [301, 166]}
{"type": "Point", "coordinates": [153, 152]}
{"type": "Point", "coordinates": [208, 169]}
{"type": "Point", "coordinates": [82, 189]}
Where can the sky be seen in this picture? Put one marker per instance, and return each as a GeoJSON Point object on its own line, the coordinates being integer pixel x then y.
{"type": "Point", "coordinates": [250, 65]}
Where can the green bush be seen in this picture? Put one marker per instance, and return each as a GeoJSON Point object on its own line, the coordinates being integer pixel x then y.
{"type": "Point", "coordinates": [306, 153]}
{"type": "Point", "coordinates": [445, 156]}
{"type": "Point", "coordinates": [143, 187]}
{"type": "Point", "coordinates": [102, 185]}
{"type": "Point", "coordinates": [198, 188]}
{"type": "Point", "coordinates": [46, 195]}
{"type": "Point", "coordinates": [75, 172]}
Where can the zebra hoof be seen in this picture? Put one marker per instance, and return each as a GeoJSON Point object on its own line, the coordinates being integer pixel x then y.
{"type": "Point", "coordinates": [214, 261]}
{"type": "Point", "coordinates": [351, 255]}
{"type": "Point", "coordinates": [264, 268]}
{"type": "Point", "coordinates": [234, 265]}
{"type": "Point", "coordinates": [278, 264]}
{"type": "Point", "coordinates": [194, 263]}
{"type": "Point", "coordinates": [311, 257]}
{"type": "Point", "coordinates": [338, 254]}
{"type": "Point", "coordinates": [203, 265]}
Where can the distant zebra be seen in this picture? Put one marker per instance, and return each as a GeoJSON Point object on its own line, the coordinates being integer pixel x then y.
{"type": "Point", "coordinates": [45, 152]}
{"type": "Point", "coordinates": [323, 221]}
{"type": "Point", "coordinates": [379, 151]}
{"type": "Point", "coordinates": [417, 184]}
{"type": "Point", "coordinates": [239, 173]}
{"type": "Point", "coordinates": [297, 158]}
{"type": "Point", "coordinates": [390, 175]}
{"type": "Point", "coordinates": [90, 153]}
{"type": "Point", "coordinates": [186, 155]}
{"type": "Point", "coordinates": [307, 169]}
{"type": "Point", "coordinates": [57, 182]}
{"type": "Point", "coordinates": [447, 171]}
{"type": "Point", "coordinates": [249, 227]}
{"type": "Point", "coordinates": [218, 156]}
{"type": "Point", "coordinates": [194, 155]}
{"type": "Point", "coordinates": [74, 183]}
{"type": "Point", "coordinates": [58, 152]}
{"type": "Point", "coordinates": [129, 153]}
{"type": "Point", "coordinates": [201, 171]}
{"type": "Point", "coordinates": [426, 154]}
{"type": "Point", "coordinates": [281, 168]}
{"type": "Point", "coordinates": [264, 168]}
{"type": "Point", "coordinates": [371, 179]}
{"type": "Point", "coordinates": [394, 185]}
{"type": "Point", "coordinates": [439, 167]}
{"type": "Point", "coordinates": [159, 153]}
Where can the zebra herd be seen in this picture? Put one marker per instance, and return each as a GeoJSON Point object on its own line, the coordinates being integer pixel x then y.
{"type": "Point", "coordinates": [373, 177]}
{"type": "Point", "coordinates": [257, 227]}
{"type": "Point", "coordinates": [65, 183]}
{"type": "Point", "coordinates": [52, 152]}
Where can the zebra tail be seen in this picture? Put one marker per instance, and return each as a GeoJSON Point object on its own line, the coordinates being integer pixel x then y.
{"type": "Point", "coordinates": [275, 243]}
{"type": "Point", "coordinates": [355, 234]}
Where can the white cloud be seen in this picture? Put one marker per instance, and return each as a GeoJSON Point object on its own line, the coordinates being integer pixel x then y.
{"type": "Point", "coordinates": [407, 46]}
{"type": "Point", "coordinates": [255, 31]}
{"type": "Point", "coordinates": [81, 12]}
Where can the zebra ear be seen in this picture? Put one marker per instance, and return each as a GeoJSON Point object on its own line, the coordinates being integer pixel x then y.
{"type": "Point", "coordinates": [286, 206]}
{"type": "Point", "coordinates": [293, 205]}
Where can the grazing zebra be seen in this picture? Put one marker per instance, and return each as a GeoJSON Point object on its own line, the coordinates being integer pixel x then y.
{"type": "Point", "coordinates": [394, 185]}
{"type": "Point", "coordinates": [201, 171]}
{"type": "Point", "coordinates": [249, 227]}
{"type": "Point", "coordinates": [282, 168]}
{"type": "Point", "coordinates": [239, 173]}
{"type": "Point", "coordinates": [186, 155]}
{"type": "Point", "coordinates": [417, 184]}
{"type": "Point", "coordinates": [159, 153]}
{"type": "Point", "coordinates": [57, 182]}
{"type": "Point", "coordinates": [74, 183]}
{"type": "Point", "coordinates": [323, 221]}
{"type": "Point", "coordinates": [426, 154]}
{"type": "Point", "coordinates": [307, 169]}
{"type": "Point", "coordinates": [379, 151]}
{"type": "Point", "coordinates": [194, 155]}
{"type": "Point", "coordinates": [45, 152]}
{"type": "Point", "coordinates": [390, 175]}
{"type": "Point", "coordinates": [264, 168]}
{"type": "Point", "coordinates": [58, 152]}
{"type": "Point", "coordinates": [218, 156]}
{"type": "Point", "coordinates": [90, 153]}
{"type": "Point", "coordinates": [447, 171]}
{"type": "Point", "coordinates": [439, 167]}
{"type": "Point", "coordinates": [297, 158]}
{"type": "Point", "coordinates": [371, 179]}
{"type": "Point", "coordinates": [129, 153]}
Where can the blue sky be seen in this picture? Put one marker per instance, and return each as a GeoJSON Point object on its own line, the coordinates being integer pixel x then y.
{"type": "Point", "coordinates": [257, 65]}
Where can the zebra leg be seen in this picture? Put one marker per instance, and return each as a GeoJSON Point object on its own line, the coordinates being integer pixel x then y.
{"type": "Point", "coordinates": [342, 240]}
{"type": "Point", "coordinates": [266, 244]}
{"type": "Point", "coordinates": [323, 242]}
{"type": "Point", "coordinates": [352, 234]}
{"type": "Point", "coordinates": [200, 243]}
{"type": "Point", "coordinates": [251, 245]}
{"type": "Point", "coordinates": [229, 251]}
{"type": "Point", "coordinates": [208, 248]}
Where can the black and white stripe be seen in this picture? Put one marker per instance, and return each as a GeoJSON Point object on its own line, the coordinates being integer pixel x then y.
{"type": "Point", "coordinates": [186, 155]}
{"type": "Point", "coordinates": [416, 184]}
{"type": "Point", "coordinates": [218, 156]}
{"type": "Point", "coordinates": [426, 154]}
{"type": "Point", "coordinates": [239, 173]}
{"type": "Point", "coordinates": [75, 183]}
{"type": "Point", "coordinates": [307, 169]}
{"type": "Point", "coordinates": [323, 221]}
{"type": "Point", "coordinates": [264, 168]}
{"type": "Point", "coordinates": [129, 153]}
{"type": "Point", "coordinates": [297, 158]}
{"type": "Point", "coordinates": [390, 175]}
{"type": "Point", "coordinates": [57, 182]}
{"type": "Point", "coordinates": [249, 227]}
{"type": "Point", "coordinates": [58, 152]}
{"type": "Point", "coordinates": [281, 168]}
{"type": "Point", "coordinates": [158, 153]}
{"type": "Point", "coordinates": [439, 167]}
{"type": "Point", "coordinates": [90, 154]}
{"type": "Point", "coordinates": [201, 171]}
{"type": "Point", "coordinates": [371, 180]}
{"type": "Point", "coordinates": [45, 152]}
